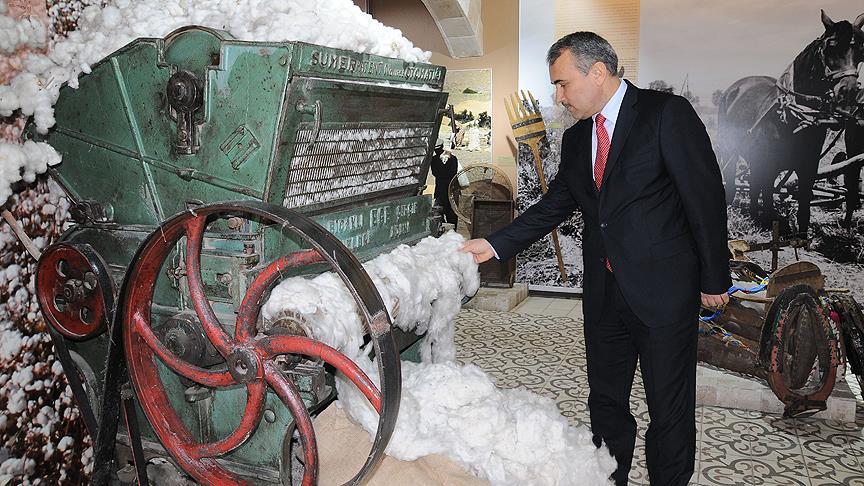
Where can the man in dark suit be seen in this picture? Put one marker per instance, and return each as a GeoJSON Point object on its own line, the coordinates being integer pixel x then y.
{"type": "Point", "coordinates": [639, 165]}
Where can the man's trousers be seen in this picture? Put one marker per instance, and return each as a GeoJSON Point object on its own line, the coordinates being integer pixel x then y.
{"type": "Point", "coordinates": [667, 361]}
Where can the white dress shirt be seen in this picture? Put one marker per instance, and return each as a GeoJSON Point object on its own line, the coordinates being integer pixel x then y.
{"type": "Point", "coordinates": [610, 112]}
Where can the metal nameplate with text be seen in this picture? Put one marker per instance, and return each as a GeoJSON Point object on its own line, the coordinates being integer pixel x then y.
{"type": "Point", "coordinates": [326, 61]}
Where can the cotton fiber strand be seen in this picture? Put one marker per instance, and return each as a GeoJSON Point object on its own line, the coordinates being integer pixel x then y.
{"type": "Point", "coordinates": [23, 162]}
{"type": "Point", "coordinates": [506, 436]}
{"type": "Point", "coordinates": [421, 286]}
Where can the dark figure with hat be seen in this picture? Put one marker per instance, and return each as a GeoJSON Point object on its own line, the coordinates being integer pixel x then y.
{"type": "Point", "coordinates": [444, 167]}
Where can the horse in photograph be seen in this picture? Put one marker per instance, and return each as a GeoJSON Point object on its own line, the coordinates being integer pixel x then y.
{"type": "Point", "coordinates": [854, 138]}
{"type": "Point", "coordinates": [778, 125]}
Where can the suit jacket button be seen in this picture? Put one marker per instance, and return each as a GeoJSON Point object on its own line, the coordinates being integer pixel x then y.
{"type": "Point", "coordinates": [603, 225]}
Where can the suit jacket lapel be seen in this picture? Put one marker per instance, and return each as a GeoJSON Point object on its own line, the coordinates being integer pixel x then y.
{"type": "Point", "coordinates": [586, 165]}
{"type": "Point", "coordinates": [626, 117]}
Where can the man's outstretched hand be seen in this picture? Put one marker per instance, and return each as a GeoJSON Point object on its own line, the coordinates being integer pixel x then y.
{"type": "Point", "coordinates": [710, 300]}
{"type": "Point", "coordinates": [480, 248]}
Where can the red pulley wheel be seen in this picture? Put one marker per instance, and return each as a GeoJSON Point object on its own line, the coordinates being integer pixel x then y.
{"type": "Point", "coordinates": [249, 356]}
{"type": "Point", "coordinates": [74, 290]}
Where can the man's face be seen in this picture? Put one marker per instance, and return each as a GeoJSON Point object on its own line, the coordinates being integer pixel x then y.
{"type": "Point", "coordinates": [581, 94]}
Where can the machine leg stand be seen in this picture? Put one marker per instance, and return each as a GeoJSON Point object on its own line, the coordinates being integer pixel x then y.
{"type": "Point", "coordinates": [134, 432]}
{"type": "Point", "coordinates": [116, 375]}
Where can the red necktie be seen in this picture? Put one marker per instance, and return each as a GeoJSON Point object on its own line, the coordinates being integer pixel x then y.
{"type": "Point", "coordinates": [602, 150]}
{"type": "Point", "coordinates": [600, 160]}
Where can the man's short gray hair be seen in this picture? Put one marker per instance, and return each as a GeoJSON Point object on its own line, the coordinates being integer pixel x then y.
{"type": "Point", "coordinates": [587, 48]}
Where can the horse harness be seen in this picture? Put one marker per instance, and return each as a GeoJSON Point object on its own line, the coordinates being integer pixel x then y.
{"type": "Point", "coordinates": [808, 109]}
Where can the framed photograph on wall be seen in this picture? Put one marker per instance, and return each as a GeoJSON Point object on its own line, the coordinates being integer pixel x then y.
{"type": "Point", "coordinates": [470, 93]}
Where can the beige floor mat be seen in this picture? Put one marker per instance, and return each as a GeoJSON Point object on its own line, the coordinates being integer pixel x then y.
{"type": "Point", "coordinates": [343, 447]}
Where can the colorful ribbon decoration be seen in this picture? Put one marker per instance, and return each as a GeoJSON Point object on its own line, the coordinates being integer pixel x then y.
{"type": "Point", "coordinates": [752, 290]}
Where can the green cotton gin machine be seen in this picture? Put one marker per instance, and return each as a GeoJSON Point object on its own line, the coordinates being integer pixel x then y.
{"type": "Point", "coordinates": [202, 170]}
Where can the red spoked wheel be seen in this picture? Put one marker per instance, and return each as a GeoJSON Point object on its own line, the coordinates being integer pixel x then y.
{"type": "Point", "coordinates": [74, 290]}
{"type": "Point", "coordinates": [800, 335]}
{"type": "Point", "coordinates": [248, 356]}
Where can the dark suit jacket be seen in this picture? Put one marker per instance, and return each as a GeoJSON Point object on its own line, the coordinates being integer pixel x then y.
{"type": "Point", "coordinates": [444, 173]}
{"type": "Point", "coordinates": [660, 215]}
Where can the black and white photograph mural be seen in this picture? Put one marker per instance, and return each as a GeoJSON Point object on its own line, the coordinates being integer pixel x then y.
{"type": "Point", "coordinates": [538, 265]}
{"type": "Point", "coordinates": [778, 86]}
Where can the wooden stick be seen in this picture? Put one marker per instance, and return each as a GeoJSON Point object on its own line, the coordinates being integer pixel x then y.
{"type": "Point", "coordinates": [538, 164]}
{"type": "Point", "coordinates": [22, 236]}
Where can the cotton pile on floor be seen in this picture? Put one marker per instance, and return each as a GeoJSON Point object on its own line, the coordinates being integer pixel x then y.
{"type": "Point", "coordinates": [506, 436]}
{"type": "Point", "coordinates": [101, 31]}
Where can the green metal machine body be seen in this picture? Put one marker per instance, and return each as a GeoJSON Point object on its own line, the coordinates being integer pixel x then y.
{"type": "Point", "coordinates": [164, 126]}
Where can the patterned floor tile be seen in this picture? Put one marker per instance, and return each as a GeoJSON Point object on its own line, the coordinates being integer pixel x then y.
{"type": "Point", "coordinates": [638, 391]}
{"type": "Point", "coordinates": [724, 435]}
{"type": "Point", "coordinates": [823, 476]}
{"type": "Point", "coordinates": [576, 411]}
{"type": "Point", "coordinates": [563, 391]}
{"type": "Point", "coordinates": [771, 443]}
{"type": "Point", "coordinates": [777, 449]}
{"type": "Point", "coordinates": [638, 476]}
{"type": "Point", "coordinates": [834, 453]}
{"type": "Point", "coordinates": [831, 444]}
{"type": "Point", "coordinates": [813, 425]}
{"type": "Point", "coordinates": [710, 451]}
{"type": "Point", "coordinates": [788, 471]}
{"type": "Point", "coordinates": [734, 447]}
{"type": "Point", "coordinates": [639, 466]}
{"type": "Point", "coordinates": [529, 311]}
{"type": "Point", "coordinates": [571, 375]}
{"type": "Point", "coordinates": [730, 472]}
{"type": "Point", "coordinates": [524, 353]}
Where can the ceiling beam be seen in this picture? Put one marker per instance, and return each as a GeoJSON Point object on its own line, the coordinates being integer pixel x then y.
{"type": "Point", "coordinates": [460, 25]}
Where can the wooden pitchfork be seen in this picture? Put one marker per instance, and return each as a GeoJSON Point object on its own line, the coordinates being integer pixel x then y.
{"type": "Point", "coordinates": [529, 128]}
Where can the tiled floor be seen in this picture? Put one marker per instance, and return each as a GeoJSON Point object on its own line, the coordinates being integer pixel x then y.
{"type": "Point", "coordinates": [539, 346]}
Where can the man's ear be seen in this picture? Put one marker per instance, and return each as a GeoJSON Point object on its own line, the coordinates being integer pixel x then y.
{"type": "Point", "coordinates": [598, 72]}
